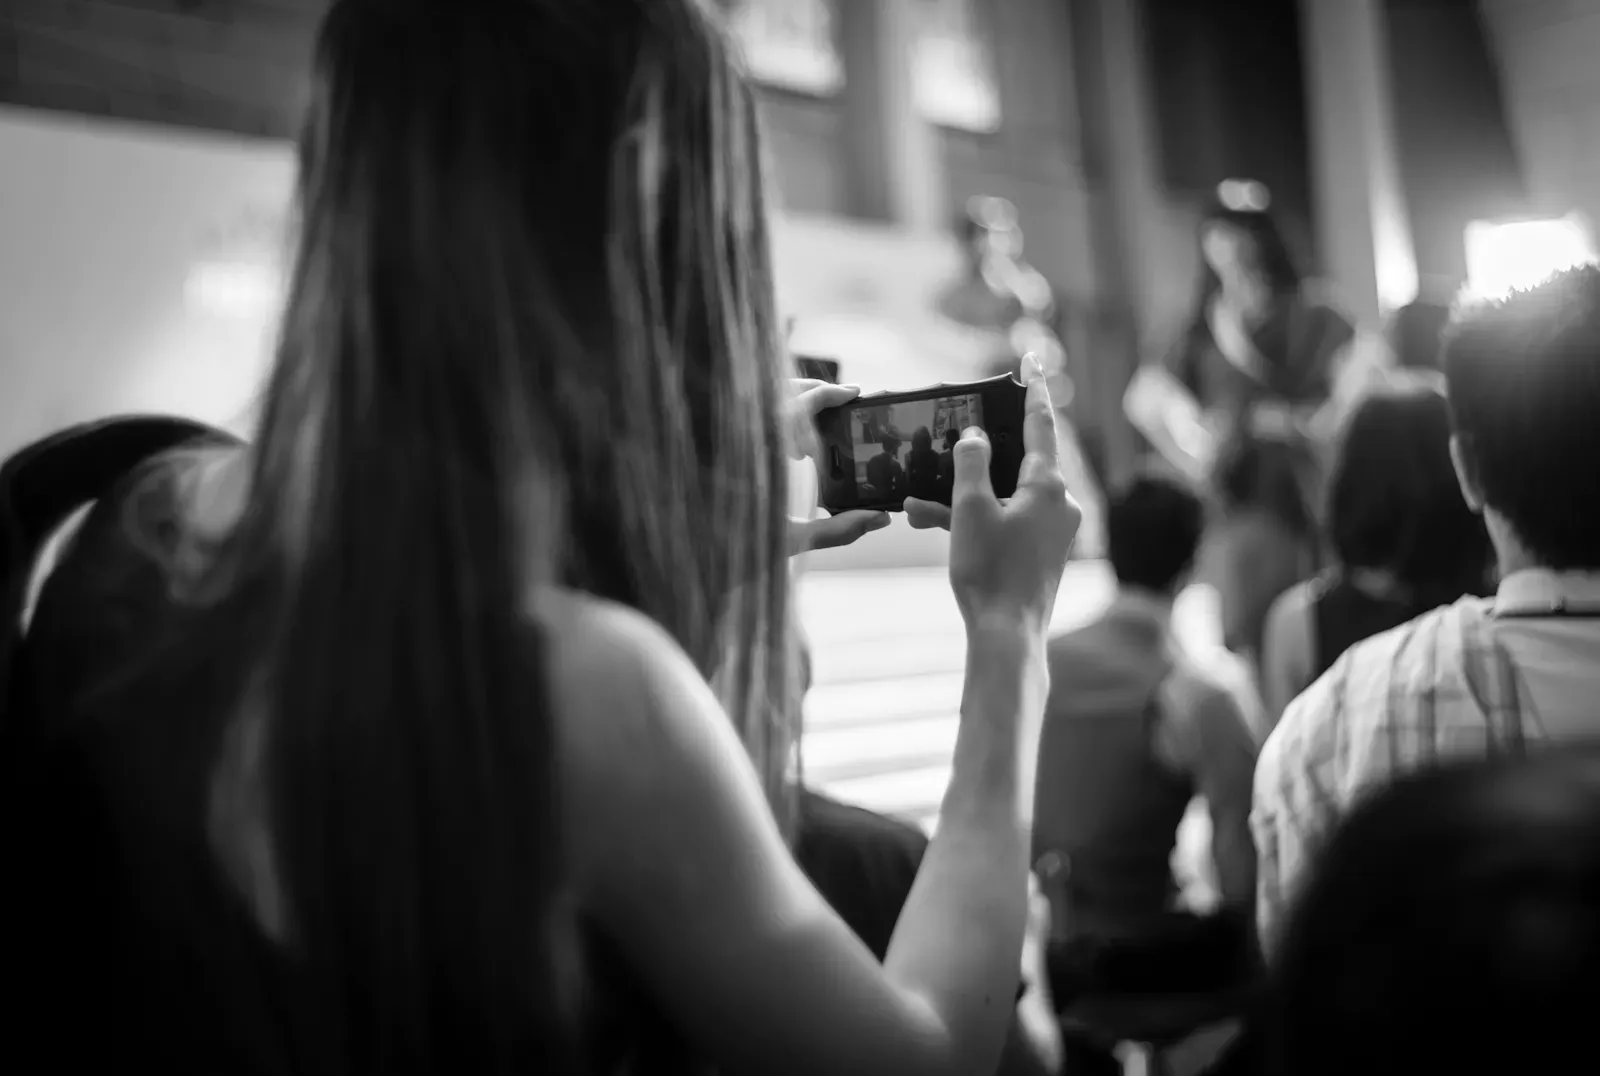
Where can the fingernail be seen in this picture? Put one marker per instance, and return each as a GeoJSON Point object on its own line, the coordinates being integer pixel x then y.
{"type": "Point", "coordinates": [972, 433]}
{"type": "Point", "coordinates": [1037, 364]}
{"type": "Point", "coordinates": [878, 522]}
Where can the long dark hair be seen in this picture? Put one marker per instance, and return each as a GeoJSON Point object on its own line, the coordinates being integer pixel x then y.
{"type": "Point", "coordinates": [529, 340]}
{"type": "Point", "coordinates": [1393, 499]}
{"type": "Point", "coordinates": [1277, 260]}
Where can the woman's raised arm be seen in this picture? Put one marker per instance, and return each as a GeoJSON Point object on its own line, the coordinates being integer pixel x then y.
{"type": "Point", "coordinates": [681, 865]}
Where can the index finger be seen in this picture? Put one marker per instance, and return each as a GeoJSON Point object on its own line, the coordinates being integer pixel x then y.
{"type": "Point", "coordinates": [822, 395]}
{"type": "Point", "coordinates": [1039, 414]}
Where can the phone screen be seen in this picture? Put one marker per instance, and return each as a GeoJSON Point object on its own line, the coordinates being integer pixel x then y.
{"type": "Point", "coordinates": [904, 449]}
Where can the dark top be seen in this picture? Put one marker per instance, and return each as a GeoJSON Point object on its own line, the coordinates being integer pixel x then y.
{"type": "Point", "coordinates": [922, 474]}
{"type": "Point", "coordinates": [1344, 614]}
{"type": "Point", "coordinates": [888, 478]}
{"type": "Point", "coordinates": [863, 863]}
{"type": "Point", "coordinates": [1298, 342]}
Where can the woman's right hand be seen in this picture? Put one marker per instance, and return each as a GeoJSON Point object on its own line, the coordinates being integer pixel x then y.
{"type": "Point", "coordinates": [1007, 558]}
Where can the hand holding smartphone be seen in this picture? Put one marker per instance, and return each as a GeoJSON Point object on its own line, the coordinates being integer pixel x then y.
{"type": "Point", "coordinates": [876, 451]}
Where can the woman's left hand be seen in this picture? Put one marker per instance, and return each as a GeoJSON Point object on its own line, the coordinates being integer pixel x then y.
{"type": "Point", "coordinates": [824, 532]}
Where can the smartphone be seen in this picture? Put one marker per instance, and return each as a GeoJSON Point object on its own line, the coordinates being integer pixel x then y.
{"type": "Point", "coordinates": [878, 450]}
{"type": "Point", "coordinates": [818, 369]}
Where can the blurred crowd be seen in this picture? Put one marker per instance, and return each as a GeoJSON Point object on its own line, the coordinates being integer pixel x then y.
{"type": "Point", "coordinates": [451, 723]}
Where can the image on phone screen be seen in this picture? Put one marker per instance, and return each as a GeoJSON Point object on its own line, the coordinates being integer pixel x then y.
{"type": "Point", "coordinates": [905, 449]}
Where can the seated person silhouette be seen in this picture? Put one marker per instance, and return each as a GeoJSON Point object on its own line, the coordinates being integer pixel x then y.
{"type": "Point", "coordinates": [922, 466]}
{"type": "Point", "coordinates": [884, 473]}
{"type": "Point", "coordinates": [1134, 730]}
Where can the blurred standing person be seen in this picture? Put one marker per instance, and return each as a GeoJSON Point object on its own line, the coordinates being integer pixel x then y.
{"type": "Point", "coordinates": [1002, 293]}
{"type": "Point", "coordinates": [1244, 400]}
{"type": "Point", "coordinates": [1402, 537]}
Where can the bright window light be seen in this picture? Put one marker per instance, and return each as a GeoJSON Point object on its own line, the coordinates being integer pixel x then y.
{"type": "Point", "coordinates": [1507, 256]}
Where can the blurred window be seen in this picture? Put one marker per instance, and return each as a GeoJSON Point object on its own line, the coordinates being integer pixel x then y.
{"type": "Point", "coordinates": [790, 44]}
{"type": "Point", "coordinates": [953, 68]}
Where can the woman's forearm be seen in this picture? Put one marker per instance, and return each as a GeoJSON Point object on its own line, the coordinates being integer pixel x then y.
{"type": "Point", "coordinates": [1163, 410]}
{"type": "Point", "coordinates": [960, 935]}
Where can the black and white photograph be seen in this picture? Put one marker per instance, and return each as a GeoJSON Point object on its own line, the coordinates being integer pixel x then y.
{"type": "Point", "coordinates": [485, 589]}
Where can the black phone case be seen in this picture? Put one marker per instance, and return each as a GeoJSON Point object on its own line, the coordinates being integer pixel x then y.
{"type": "Point", "coordinates": [1003, 401]}
{"type": "Point", "coordinates": [818, 369]}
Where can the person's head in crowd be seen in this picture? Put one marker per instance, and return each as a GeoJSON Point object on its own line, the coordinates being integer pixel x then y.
{"type": "Point", "coordinates": [951, 436]}
{"type": "Point", "coordinates": [922, 440]}
{"type": "Point", "coordinates": [1153, 531]}
{"type": "Point", "coordinates": [1416, 334]}
{"type": "Point", "coordinates": [530, 301]}
{"type": "Point", "coordinates": [1524, 385]}
{"type": "Point", "coordinates": [890, 446]}
{"type": "Point", "coordinates": [1243, 244]}
{"type": "Point", "coordinates": [1394, 504]}
{"type": "Point", "coordinates": [1449, 925]}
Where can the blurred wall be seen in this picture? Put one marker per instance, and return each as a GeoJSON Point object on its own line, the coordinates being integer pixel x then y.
{"type": "Point", "coordinates": [103, 225]}
{"type": "Point", "coordinates": [1456, 155]}
{"type": "Point", "coordinates": [1546, 54]}
{"type": "Point", "coordinates": [1035, 158]}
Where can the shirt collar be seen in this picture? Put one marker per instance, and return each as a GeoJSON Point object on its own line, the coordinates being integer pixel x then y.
{"type": "Point", "coordinates": [1541, 590]}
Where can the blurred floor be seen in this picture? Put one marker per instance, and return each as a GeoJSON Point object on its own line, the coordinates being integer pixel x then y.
{"type": "Point", "coordinates": [888, 650]}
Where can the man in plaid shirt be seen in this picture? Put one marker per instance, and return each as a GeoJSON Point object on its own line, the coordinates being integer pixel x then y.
{"type": "Point", "coordinates": [1483, 675]}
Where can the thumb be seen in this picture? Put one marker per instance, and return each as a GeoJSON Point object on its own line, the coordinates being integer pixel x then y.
{"type": "Point", "coordinates": [972, 464]}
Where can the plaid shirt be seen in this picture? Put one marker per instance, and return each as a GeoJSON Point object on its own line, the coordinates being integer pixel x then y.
{"type": "Point", "coordinates": [1456, 682]}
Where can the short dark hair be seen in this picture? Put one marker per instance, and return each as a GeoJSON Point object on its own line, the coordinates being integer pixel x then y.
{"type": "Point", "coordinates": [1471, 886]}
{"type": "Point", "coordinates": [1524, 384]}
{"type": "Point", "coordinates": [1416, 332]}
{"type": "Point", "coordinates": [1393, 498]}
{"type": "Point", "coordinates": [1153, 531]}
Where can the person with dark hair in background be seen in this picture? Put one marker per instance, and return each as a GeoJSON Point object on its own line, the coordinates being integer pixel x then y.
{"type": "Point", "coordinates": [884, 472]}
{"type": "Point", "coordinates": [1403, 539]}
{"type": "Point", "coordinates": [1135, 729]}
{"type": "Point", "coordinates": [421, 735]}
{"type": "Point", "coordinates": [1416, 334]}
{"type": "Point", "coordinates": [1481, 675]}
{"type": "Point", "coordinates": [1243, 402]}
{"type": "Point", "coordinates": [1448, 926]}
{"type": "Point", "coordinates": [922, 466]}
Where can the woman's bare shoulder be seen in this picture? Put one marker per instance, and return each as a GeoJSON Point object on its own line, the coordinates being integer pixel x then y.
{"type": "Point", "coordinates": [623, 689]}
{"type": "Point", "coordinates": [639, 731]}
{"type": "Point", "coordinates": [600, 647]}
